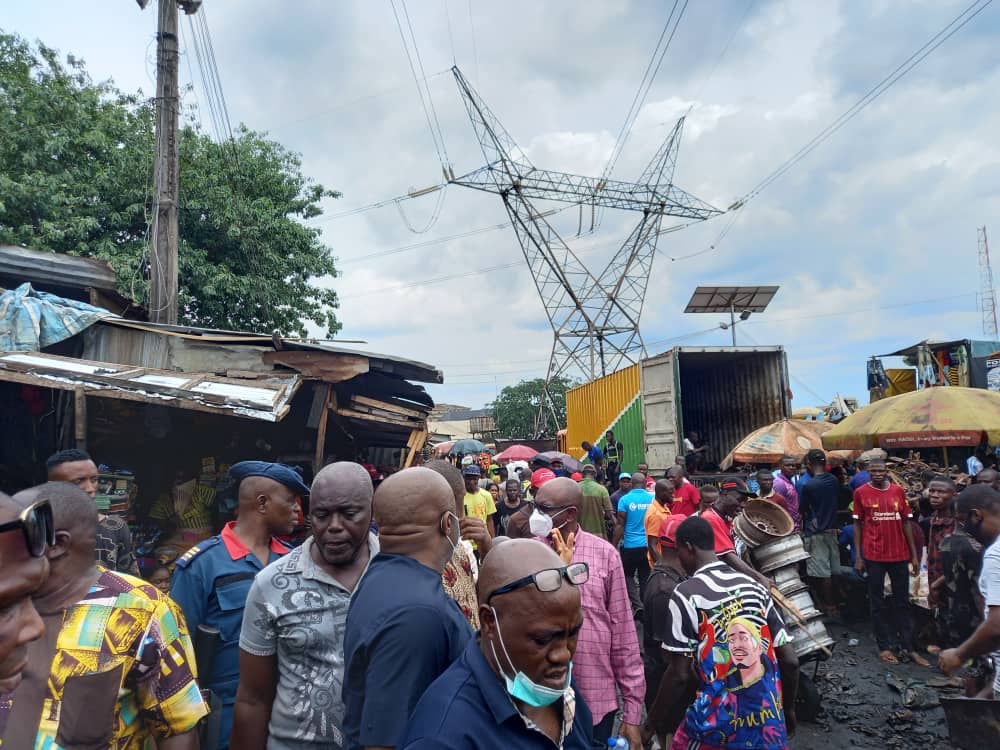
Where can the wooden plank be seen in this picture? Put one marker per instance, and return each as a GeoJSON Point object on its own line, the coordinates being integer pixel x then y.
{"type": "Point", "coordinates": [247, 374]}
{"type": "Point", "coordinates": [321, 429]}
{"type": "Point", "coordinates": [129, 374]}
{"type": "Point", "coordinates": [388, 406]}
{"type": "Point", "coordinates": [326, 366]}
{"type": "Point", "coordinates": [80, 418]}
{"type": "Point", "coordinates": [382, 413]}
{"type": "Point", "coordinates": [413, 445]}
{"type": "Point", "coordinates": [351, 414]}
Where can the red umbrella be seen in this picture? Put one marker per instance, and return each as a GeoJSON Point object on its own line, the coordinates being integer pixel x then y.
{"type": "Point", "coordinates": [517, 453]}
{"type": "Point", "coordinates": [443, 448]}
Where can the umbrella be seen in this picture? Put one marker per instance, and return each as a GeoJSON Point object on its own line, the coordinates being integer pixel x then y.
{"type": "Point", "coordinates": [517, 453]}
{"type": "Point", "coordinates": [466, 446]}
{"type": "Point", "coordinates": [569, 463]}
{"type": "Point", "coordinates": [943, 416]}
{"type": "Point", "coordinates": [768, 444]}
{"type": "Point", "coordinates": [443, 448]}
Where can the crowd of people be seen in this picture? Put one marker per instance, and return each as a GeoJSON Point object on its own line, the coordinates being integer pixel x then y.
{"type": "Point", "coordinates": [461, 606]}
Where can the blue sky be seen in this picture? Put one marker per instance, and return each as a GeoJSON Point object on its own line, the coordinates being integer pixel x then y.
{"type": "Point", "coordinates": [872, 237]}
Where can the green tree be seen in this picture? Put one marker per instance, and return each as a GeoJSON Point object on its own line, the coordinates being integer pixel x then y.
{"type": "Point", "coordinates": [76, 165]}
{"type": "Point", "coordinates": [517, 414]}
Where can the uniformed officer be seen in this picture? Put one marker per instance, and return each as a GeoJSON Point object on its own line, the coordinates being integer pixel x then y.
{"type": "Point", "coordinates": [212, 579]}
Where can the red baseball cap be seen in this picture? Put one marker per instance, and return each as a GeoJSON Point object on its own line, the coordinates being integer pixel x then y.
{"type": "Point", "coordinates": [576, 476]}
{"type": "Point", "coordinates": [541, 476]}
{"type": "Point", "coordinates": [668, 531]}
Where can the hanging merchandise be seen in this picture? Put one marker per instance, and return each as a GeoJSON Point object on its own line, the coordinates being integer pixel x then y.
{"type": "Point", "coordinates": [962, 354]}
{"type": "Point", "coordinates": [926, 377]}
{"type": "Point", "coordinates": [878, 383]}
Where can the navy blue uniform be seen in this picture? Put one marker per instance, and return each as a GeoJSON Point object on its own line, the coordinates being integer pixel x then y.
{"type": "Point", "coordinates": [402, 632]}
{"type": "Point", "coordinates": [211, 583]}
{"type": "Point", "coordinates": [468, 708]}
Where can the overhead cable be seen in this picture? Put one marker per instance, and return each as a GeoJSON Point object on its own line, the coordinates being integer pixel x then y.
{"type": "Point", "coordinates": [874, 93]}
{"type": "Point", "coordinates": [423, 91]}
{"type": "Point", "coordinates": [645, 84]}
{"type": "Point", "coordinates": [949, 30]}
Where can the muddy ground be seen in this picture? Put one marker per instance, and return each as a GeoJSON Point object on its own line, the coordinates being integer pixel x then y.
{"type": "Point", "coordinates": [861, 710]}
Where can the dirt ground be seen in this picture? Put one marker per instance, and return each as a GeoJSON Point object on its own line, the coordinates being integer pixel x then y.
{"type": "Point", "coordinates": [859, 709]}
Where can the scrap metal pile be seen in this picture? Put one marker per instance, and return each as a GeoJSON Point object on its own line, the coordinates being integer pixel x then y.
{"type": "Point", "coordinates": [911, 472]}
{"type": "Point", "coordinates": [776, 550]}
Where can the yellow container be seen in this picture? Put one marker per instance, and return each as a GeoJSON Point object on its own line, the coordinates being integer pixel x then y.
{"type": "Point", "coordinates": [599, 406]}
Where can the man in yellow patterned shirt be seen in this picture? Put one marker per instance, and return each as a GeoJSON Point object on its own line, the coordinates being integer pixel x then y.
{"type": "Point", "coordinates": [115, 668]}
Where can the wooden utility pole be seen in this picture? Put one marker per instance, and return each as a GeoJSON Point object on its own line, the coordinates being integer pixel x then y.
{"type": "Point", "coordinates": [163, 236]}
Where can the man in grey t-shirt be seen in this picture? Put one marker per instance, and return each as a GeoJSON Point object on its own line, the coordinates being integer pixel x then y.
{"type": "Point", "coordinates": [292, 642]}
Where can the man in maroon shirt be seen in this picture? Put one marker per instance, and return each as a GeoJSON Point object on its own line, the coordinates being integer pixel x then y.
{"type": "Point", "coordinates": [686, 496]}
{"type": "Point", "coordinates": [885, 540]}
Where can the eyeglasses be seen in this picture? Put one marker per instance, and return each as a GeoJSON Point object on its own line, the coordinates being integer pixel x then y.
{"type": "Point", "coordinates": [35, 522]}
{"type": "Point", "coordinates": [547, 580]}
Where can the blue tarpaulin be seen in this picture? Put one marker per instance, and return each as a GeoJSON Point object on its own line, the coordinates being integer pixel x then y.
{"type": "Point", "coordinates": [31, 320]}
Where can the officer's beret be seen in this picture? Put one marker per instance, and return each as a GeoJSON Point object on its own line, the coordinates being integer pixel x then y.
{"type": "Point", "coordinates": [290, 476]}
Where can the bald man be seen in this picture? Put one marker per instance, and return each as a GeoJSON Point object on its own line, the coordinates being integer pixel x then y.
{"type": "Point", "coordinates": [290, 696]}
{"type": "Point", "coordinates": [608, 664]}
{"type": "Point", "coordinates": [212, 579]}
{"type": "Point", "coordinates": [512, 687]}
{"type": "Point", "coordinates": [116, 661]}
{"type": "Point", "coordinates": [403, 631]}
{"type": "Point", "coordinates": [23, 574]}
{"type": "Point", "coordinates": [459, 575]}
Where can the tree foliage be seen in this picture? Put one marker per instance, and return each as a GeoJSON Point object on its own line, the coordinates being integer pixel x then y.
{"type": "Point", "coordinates": [517, 409]}
{"type": "Point", "coordinates": [76, 176]}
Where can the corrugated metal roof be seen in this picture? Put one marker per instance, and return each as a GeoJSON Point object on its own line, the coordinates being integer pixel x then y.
{"type": "Point", "coordinates": [405, 368]}
{"type": "Point", "coordinates": [59, 269]}
{"type": "Point", "coordinates": [264, 398]}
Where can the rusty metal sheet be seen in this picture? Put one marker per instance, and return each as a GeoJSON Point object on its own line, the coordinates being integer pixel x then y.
{"type": "Point", "coordinates": [261, 398]}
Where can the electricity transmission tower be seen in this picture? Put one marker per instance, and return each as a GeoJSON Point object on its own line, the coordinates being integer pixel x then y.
{"type": "Point", "coordinates": [594, 318]}
{"type": "Point", "coordinates": [986, 289]}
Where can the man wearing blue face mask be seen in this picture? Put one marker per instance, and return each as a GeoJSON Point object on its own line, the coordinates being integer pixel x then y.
{"type": "Point", "coordinates": [513, 686]}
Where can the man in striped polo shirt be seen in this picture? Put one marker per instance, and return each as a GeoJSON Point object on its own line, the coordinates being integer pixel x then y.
{"type": "Point", "coordinates": [745, 671]}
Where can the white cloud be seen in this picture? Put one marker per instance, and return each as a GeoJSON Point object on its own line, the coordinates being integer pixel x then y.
{"type": "Point", "coordinates": [882, 214]}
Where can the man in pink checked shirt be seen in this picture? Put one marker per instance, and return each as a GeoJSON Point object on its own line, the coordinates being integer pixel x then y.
{"type": "Point", "coordinates": [607, 660]}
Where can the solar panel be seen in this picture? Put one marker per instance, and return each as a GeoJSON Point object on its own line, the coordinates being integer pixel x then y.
{"type": "Point", "coordinates": [716, 299]}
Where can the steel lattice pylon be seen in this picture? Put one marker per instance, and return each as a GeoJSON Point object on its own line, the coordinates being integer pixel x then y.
{"type": "Point", "coordinates": [595, 319]}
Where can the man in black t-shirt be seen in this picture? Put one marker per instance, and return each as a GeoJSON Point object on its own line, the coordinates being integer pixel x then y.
{"type": "Point", "coordinates": [818, 503]}
{"type": "Point", "coordinates": [614, 452]}
{"type": "Point", "coordinates": [664, 577]}
{"type": "Point", "coordinates": [512, 502]}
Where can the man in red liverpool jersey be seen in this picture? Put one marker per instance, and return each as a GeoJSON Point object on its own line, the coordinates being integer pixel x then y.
{"type": "Point", "coordinates": [881, 524]}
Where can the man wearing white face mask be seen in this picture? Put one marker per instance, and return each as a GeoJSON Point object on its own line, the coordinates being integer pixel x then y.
{"type": "Point", "coordinates": [402, 630]}
{"type": "Point", "coordinates": [513, 686]}
{"type": "Point", "coordinates": [607, 663]}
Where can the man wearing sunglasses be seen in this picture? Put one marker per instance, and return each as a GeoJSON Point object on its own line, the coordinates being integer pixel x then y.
{"type": "Point", "coordinates": [512, 686]}
{"type": "Point", "coordinates": [23, 541]}
{"type": "Point", "coordinates": [115, 667]}
{"type": "Point", "coordinates": [608, 663]}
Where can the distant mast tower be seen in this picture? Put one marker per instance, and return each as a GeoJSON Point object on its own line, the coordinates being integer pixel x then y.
{"type": "Point", "coordinates": [987, 291]}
